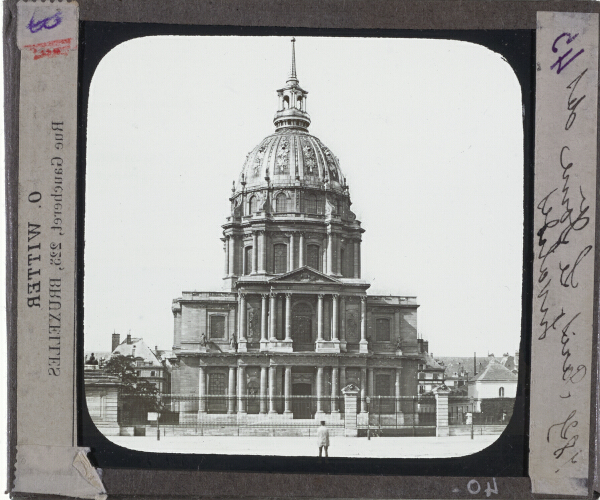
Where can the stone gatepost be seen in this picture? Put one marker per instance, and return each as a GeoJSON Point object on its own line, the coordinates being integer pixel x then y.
{"type": "Point", "coordinates": [441, 411]}
{"type": "Point", "coordinates": [351, 393]}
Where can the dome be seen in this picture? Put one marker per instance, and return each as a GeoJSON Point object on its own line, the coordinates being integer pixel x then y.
{"type": "Point", "coordinates": [292, 157]}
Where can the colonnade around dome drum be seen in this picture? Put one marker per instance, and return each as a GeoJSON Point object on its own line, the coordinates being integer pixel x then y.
{"type": "Point", "coordinates": [276, 252]}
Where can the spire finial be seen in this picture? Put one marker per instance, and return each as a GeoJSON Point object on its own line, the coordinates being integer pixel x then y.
{"type": "Point", "coordinates": [293, 72]}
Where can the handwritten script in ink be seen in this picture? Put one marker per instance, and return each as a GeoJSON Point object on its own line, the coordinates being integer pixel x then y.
{"type": "Point", "coordinates": [566, 213]}
{"type": "Point", "coordinates": [46, 23]}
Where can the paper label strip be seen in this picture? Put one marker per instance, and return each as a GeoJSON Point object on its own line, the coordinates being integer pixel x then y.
{"type": "Point", "coordinates": [564, 249]}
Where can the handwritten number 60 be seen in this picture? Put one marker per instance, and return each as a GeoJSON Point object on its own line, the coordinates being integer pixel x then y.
{"type": "Point", "coordinates": [474, 487]}
{"type": "Point", "coordinates": [47, 23]}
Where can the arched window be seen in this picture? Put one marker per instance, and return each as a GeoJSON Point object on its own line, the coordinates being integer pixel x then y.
{"type": "Point", "coordinates": [280, 258]}
{"type": "Point", "coordinates": [312, 256]}
{"type": "Point", "coordinates": [311, 204]}
{"type": "Point", "coordinates": [281, 204]}
{"type": "Point", "coordinates": [247, 260]}
{"type": "Point", "coordinates": [299, 103]}
{"type": "Point", "coordinates": [286, 102]}
{"type": "Point", "coordinates": [501, 392]}
{"type": "Point", "coordinates": [252, 205]}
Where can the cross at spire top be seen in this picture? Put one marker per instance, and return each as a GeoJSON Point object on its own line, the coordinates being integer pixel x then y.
{"type": "Point", "coordinates": [293, 71]}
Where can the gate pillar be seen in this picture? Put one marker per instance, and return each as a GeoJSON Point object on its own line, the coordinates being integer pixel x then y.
{"type": "Point", "coordinates": [441, 411]}
{"type": "Point", "coordinates": [350, 393]}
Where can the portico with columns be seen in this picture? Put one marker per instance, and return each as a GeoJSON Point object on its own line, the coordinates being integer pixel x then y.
{"type": "Point", "coordinates": [294, 324]}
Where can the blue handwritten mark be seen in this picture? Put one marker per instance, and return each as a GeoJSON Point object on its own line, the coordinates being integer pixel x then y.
{"type": "Point", "coordinates": [559, 61]}
{"type": "Point", "coordinates": [47, 23]}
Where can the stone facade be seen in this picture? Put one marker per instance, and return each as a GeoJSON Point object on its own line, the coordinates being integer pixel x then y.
{"type": "Point", "coordinates": [295, 319]}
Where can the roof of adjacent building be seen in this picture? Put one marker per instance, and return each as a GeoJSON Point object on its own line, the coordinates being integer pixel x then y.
{"type": "Point", "coordinates": [431, 364]}
{"type": "Point", "coordinates": [457, 364]}
{"type": "Point", "coordinates": [138, 349]}
{"type": "Point", "coordinates": [495, 372]}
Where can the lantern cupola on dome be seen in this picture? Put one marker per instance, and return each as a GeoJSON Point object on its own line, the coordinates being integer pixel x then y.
{"type": "Point", "coordinates": [291, 112]}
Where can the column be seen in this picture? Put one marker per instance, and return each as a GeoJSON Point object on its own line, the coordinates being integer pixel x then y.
{"type": "Point", "coordinates": [264, 325]}
{"type": "Point", "coordinates": [242, 389]}
{"type": "Point", "coordinates": [226, 255]}
{"type": "Point", "coordinates": [288, 389]}
{"type": "Point", "coordinates": [329, 252]}
{"type": "Point", "coordinates": [356, 259]}
{"type": "Point", "coordinates": [343, 318]}
{"type": "Point", "coordinates": [398, 389]}
{"type": "Point", "coordinates": [301, 251]}
{"type": "Point", "coordinates": [231, 255]}
{"type": "Point", "coordinates": [263, 252]}
{"type": "Point", "coordinates": [334, 390]}
{"type": "Point", "coordinates": [338, 246]}
{"type": "Point", "coordinates": [320, 389]}
{"type": "Point", "coordinates": [272, 387]}
{"type": "Point", "coordinates": [273, 316]}
{"type": "Point", "coordinates": [320, 318]}
{"type": "Point", "coordinates": [334, 314]}
{"type": "Point", "coordinates": [254, 252]}
{"type": "Point", "coordinates": [263, 389]}
{"type": "Point", "coordinates": [288, 317]}
{"type": "Point", "coordinates": [245, 265]}
{"type": "Point", "coordinates": [242, 330]}
{"type": "Point", "coordinates": [202, 390]}
{"type": "Point", "coordinates": [231, 391]}
{"type": "Point", "coordinates": [363, 390]}
{"type": "Point", "coordinates": [364, 345]}
{"type": "Point", "coordinates": [371, 383]}
{"type": "Point", "coordinates": [342, 377]}
{"type": "Point", "coordinates": [292, 253]}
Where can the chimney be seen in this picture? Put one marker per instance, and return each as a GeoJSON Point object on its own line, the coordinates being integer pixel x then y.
{"type": "Point", "coordinates": [129, 338]}
{"type": "Point", "coordinates": [116, 340]}
{"type": "Point", "coordinates": [426, 346]}
{"type": "Point", "coordinates": [420, 344]}
{"type": "Point", "coordinates": [474, 363]}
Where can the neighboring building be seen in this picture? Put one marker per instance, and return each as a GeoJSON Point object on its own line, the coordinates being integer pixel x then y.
{"type": "Point", "coordinates": [296, 319]}
{"type": "Point", "coordinates": [431, 373]}
{"type": "Point", "coordinates": [148, 365]}
{"type": "Point", "coordinates": [102, 398]}
{"type": "Point", "coordinates": [495, 381]}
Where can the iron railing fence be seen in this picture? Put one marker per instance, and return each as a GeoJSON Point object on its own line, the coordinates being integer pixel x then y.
{"type": "Point", "coordinates": [479, 411]}
{"type": "Point", "coordinates": [187, 410]}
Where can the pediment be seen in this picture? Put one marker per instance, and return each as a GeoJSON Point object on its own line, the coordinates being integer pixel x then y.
{"type": "Point", "coordinates": [305, 275]}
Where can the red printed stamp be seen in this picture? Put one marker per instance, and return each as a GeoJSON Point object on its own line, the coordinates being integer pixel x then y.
{"type": "Point", "coordinates": [50, 49]}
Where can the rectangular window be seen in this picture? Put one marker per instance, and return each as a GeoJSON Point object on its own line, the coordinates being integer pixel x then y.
{"type": "Point", "coordinates": [216, 384]}
{"type": "Point", "coordinates": [312, 257]}
{"type": "Point", "coordinates": [280, 258]}
{"type": "Point", "coordinates": [383, 330]}
{"type": "Point", "coordinates": [383, 387]}
{"type": "Point", "coordinates": [217, 327]}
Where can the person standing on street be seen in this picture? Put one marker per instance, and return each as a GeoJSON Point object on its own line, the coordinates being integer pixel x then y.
{"type": "Point", "coordinates": [323, 438]}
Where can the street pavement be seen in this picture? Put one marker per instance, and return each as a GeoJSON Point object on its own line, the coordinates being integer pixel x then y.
{"type": "Point", "coordinates": [376, 447]}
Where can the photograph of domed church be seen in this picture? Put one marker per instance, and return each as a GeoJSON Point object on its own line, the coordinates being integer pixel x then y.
{"type": "Point", "coordinates": [316, 318]}
{"type": "Point", "coordinates": [296, 319]}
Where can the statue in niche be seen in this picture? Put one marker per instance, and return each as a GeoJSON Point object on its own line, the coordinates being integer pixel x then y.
{"type": "Point", "coordinates": [203, 341]}
{"type": "Point", "coordinates": [233, 343]}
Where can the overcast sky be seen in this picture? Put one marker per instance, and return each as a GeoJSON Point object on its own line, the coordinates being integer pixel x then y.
{"type": "Point", "coordinates": [429, 135]}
